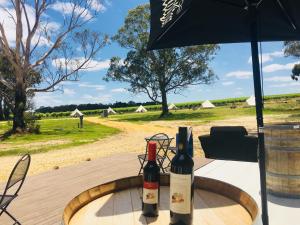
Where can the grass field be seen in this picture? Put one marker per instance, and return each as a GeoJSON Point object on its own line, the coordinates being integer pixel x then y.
{"type": "Point", "coordinates": [184, 105]}
{"type": "Point", "coordinates": [218, 113]}
{"type": "Point", "coordinates": [55, 134]}
{"type": "Point", "coordinates": [64, 132]}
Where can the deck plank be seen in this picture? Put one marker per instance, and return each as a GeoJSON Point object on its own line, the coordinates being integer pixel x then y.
{"type": "Point", "coordinates": [210, 209]}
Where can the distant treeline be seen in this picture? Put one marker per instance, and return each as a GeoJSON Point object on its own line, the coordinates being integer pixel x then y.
{"type": "Point", "coordinates": [121, 107]}
{"type": "Point", "coordinates": [84, 107]}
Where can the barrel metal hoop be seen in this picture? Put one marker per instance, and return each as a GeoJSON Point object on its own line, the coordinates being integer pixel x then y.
{"type": "Point", "coordinates": [282, 148]}
{"type": "Point", "coordinates": [283, 127]}
{"type": "Point", "coordinates": [283, 175]}
{"type": "Point", "coordinates": [282, 138]}
{"type": "Point", "coordinates": [282, 194]}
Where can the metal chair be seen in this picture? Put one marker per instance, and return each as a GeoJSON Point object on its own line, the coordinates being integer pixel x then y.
{"type": "Point", "coordinates": [163, 142]}
{"type": "Point", "coordinates": [14, 184]}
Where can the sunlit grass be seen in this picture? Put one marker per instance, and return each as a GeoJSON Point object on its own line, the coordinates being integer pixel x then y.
{"type": "Point", "coordinates": [206, 115]}
{"type": "Point", "coordinates": [55, 134]}
{"type": "Point", "coordinates": [63, 133]}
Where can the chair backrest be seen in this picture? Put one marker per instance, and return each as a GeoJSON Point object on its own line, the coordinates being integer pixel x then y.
{"type": "Point", "coordinates": [18, 175]}
{"type": "Point", "coordinates": [164, 143]}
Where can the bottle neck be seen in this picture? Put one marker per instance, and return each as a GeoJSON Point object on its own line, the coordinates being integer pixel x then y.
{"type": "Point", "coordinates": [152, 155]}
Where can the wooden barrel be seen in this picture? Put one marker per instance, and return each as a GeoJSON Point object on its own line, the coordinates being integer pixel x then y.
{"type": "Point", "coordinates": [215, 203]}
{"type": "Point", "coordinates": [282, 143]}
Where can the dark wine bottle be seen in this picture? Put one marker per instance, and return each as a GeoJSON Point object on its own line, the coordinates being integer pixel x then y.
{"type": "Point", "coordinates": [182, 183]}
{"type": "Point", "coordinates": [151, 183]}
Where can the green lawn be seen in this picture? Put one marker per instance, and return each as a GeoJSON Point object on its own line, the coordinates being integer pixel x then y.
{"type": "Point", "coordinates": [55, 134]}
{"type": "Point", "coordinates": [62, 133]}
{"type": "Point", "coordinates": [206, 115]}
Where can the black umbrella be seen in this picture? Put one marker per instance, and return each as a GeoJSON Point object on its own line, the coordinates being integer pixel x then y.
{"type": "Point", "coordinates": [178, 23]}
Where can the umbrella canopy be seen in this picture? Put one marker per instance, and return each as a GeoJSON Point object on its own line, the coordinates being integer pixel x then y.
{"type": "Point", "coordinates": [141, 109]}
{"type": "Point", "coordinates": [178, 23]}
{"type": "Point", "coordinates": [76, 113]}
{"type": "Point", "coordinates": [251, 101]}
{"type": "Point", "coordinates": [207, 104]}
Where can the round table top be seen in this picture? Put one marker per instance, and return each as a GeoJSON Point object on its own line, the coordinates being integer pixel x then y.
{"type": "Point", "coordinates": [158, 138]}
{"type": "Point", "coordinates": [124, 207]}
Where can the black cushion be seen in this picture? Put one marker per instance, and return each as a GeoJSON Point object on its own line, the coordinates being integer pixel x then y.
{"type": "Point", "coordinates": [228, 131]}
{"type": "Point", "coordinates": [230, 143]}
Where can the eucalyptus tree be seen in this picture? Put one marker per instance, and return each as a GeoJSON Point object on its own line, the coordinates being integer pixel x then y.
{"type": "Point", "coordinates": [49, 37]}
{"type": "Point", "coordinates": [160, 72]}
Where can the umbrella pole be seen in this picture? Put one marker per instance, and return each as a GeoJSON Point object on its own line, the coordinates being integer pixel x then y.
{"type": "Point", "coordinates": [259, 111]}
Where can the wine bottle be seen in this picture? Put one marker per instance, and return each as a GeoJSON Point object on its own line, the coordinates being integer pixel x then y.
{"type": "Point", "coordinates": [182, 183]}
{"type": "Point", "coordinates": [151, 183]}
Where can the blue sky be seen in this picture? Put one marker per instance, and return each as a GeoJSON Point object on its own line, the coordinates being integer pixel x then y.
{"type": "Point", "coordinates": [231, 64]}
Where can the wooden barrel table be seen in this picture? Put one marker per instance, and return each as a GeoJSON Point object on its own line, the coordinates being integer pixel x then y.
{"type": "Point", "coordinates": [282, 143]}
{"type": "Point", "coordinates": [119, 203]}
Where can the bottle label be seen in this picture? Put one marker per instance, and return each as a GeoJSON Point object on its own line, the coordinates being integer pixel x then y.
{"type": "Point", "coordinates": [150, 192]}
{"type": "Point", "coordinates": [180, 193]}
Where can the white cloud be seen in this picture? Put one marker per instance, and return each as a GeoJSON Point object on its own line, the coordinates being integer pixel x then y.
{"type": "Point", "coordinates": [98, 87]}
{"type": "Point", "coordinates": [69, 92]}
{"type": "Point", "coordinates": [108, 2]}
{"type": "Point", "coordinates": [4, 2]}
{"type": "Point", "coordinates": [268, 57]}
{"type": "Point", "coordinates": [86, 96]}
{"type": "Point", "coordinates": [91, 66]}
{"type": "Point", "coordinates": [96, 5]}
{"type": "Point", "coordinates": [68, 83]}
{"type": "Point", "coordinates": [239, 74]}
{"type": "Point", "coordinates": [290, 84]}
{"type": "Point", "coordinates": [118, 90]}
{"type": "Point", "coordinates": [95, 65]}
{"type": "Point", "coordinates": [6, 10]}
{"type": "Point", "coordinates": [97, 99]}
{"type": "Point", "coordinates": [47, 99]}
{"type": "Point", "coordinates": [67, 8]}
{"type": "Point", "coordinates": [279, 79]}
{"type": "Point", "coordinates": [238, 93]}
{"type": "Point", "coordinates": [227, 83]}
{"type": "Point", "coordinates": [278, 67]}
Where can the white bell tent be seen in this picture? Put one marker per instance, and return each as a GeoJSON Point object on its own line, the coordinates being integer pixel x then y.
{"type": "Point", "coordinates": [207, 104]}
{"type": "Point", "coordinates": [111, 111]}
{"type": "Point", "coordinates": [251, 101]}
{"type": "Point", "coordinates": [172, 107]}
{"type": "Point", "coordinates": [76, 113]}
{"type": "Point", "coordinates": [141, 109]}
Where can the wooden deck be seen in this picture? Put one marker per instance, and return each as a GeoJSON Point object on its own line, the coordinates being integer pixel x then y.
{"type": "Point", "coordinates": [44, 197]}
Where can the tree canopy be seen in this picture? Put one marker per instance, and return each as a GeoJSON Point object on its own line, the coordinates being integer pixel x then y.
{"type": "Point", "coordinates": [43, 53]}
{"type": "Point", "coordinates": [157, 73]}
{"type": "Point", "coordinates": [292, 48]}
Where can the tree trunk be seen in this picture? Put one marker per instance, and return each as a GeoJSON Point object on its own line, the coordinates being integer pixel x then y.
{"type": "Point", "coordinates": [20, 105]}
{"type": "Point", "coordinates": [1, 109]}
{"type": "Point", "coordinates": [164, 103]}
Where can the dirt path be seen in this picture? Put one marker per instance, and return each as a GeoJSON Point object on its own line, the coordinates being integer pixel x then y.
{"type": "Point", "coordinates": [131, 139]}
